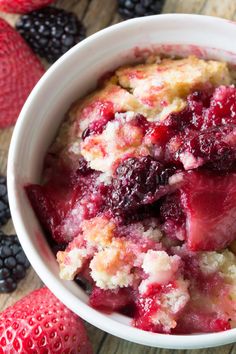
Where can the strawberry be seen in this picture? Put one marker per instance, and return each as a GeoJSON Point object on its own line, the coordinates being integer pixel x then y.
{"type": "Point", "coordinates": [66, 199]}
{"type": "Point", "coordinates": [20, 69]}
{"type": "Point", "coordinates": [45, 210]}
{"type": "Point", "coordinates": [41, 324]}
{"type": "Point", "coordinates": [209, 202]}
{"type": "Point", "coordinates": [110, 300]}
{"type": "Point", "coordinates": [52, 208]}
{"type": "Point", "coordinates": [22, 6]}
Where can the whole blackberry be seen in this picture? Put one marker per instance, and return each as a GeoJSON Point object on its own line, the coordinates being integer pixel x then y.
{"type": "Point", "coordinates": [4, 206]}
{"type": "Point", "coordinates": [50, 32]}
{"type": "Point", "coordinates": [138, 8]}
{"type": "Point", "coordinates": [13, 263]}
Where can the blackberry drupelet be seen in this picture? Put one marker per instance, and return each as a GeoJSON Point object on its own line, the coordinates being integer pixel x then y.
{"type": "Point", "coordinates": [138, 8]}
{"type": "Point", "coordinates": [13, 263]}
{"type": "Point", "coordinates": [50, 31]}
{"type": "Point", "coordinates": [4, 206]}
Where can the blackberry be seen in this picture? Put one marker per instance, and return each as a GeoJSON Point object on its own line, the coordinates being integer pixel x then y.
{"type": "Point", "coordinates": [4, 206]}
{"type": "Point", "coordinates": [136, 183]}
{"type": "Point", "coordinates": [50, 32]}
{"type": "Point", "coordinates": [139, 8]}
{"type": "Point", "coordinates": [13, 263]}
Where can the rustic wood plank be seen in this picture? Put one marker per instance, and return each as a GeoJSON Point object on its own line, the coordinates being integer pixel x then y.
{"type": "Point", "coordinates": [97, 14]}
{"type": "Point", "coordinates": [28, 284]}
{"type": "Point", "coordinates": [102, 11]}
{"type": "Point", "coordinates": [96, 337]}
{"type": "Point", "coordinates": [223, 8]}
{"type": "Point", "coordinates": [113, 345]}
{"type": "Point", "coordinates": [5, 138]}
{"type": "Point", "coordinates": [11, 18]}
{"type": "Point", "coordinates": [78, 7]}
{"type": "Point", "coordinates": [116, 19]}
{"type": "Point", "coordinates": [3, 160]}
{"type": "Point", "coordinates": [183, 6]}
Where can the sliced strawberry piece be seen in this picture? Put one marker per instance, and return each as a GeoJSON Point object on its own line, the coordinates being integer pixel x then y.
{"type": "Point", "coordinates": [110, 300]}
{"type": "Point", "coordinates": [63, 203]}
{"type": "Point", "coordinates": [51, 206]}
{"type": "Point", "coordinates": [209, 202]}
{"type": "Point", "coordinates": [20, 70]}
{"type": "Point", "coordinates": [146, 308]}
{"type": "Point", "coordinates": [43, 207]}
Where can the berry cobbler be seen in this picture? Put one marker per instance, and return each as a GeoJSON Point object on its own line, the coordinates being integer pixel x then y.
{"type": "Point", "coordinates": [139, 195]}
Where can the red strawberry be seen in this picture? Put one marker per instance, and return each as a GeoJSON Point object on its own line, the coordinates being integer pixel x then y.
{"type": "Point", "coordinates": [22, 6]}
{"type": "Point", "coordinates": [20, 69]}
{"type": "Point", "coordinates": [41, 324]}
{"type": "Point", "coordinates": [210, 205]}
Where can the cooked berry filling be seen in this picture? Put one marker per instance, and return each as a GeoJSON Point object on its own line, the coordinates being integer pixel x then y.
{"type": "Point", "coordinates": [139, 195]}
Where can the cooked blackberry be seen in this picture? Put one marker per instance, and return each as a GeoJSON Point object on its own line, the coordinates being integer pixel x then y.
{"type": "Point", "coordinates": [13, 263]}
{"type": "Point", "coordinates": [4, 206]}
{"type": "Point", "coordinates": [137, 183]}
{"type": "Point", "coordinates": [50, 32]}
{"type": "Point", "coordinates": [138, 8]}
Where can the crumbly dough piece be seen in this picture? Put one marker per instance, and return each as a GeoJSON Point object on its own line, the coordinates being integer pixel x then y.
{"type": "Point", "coordinates": [164, 85]}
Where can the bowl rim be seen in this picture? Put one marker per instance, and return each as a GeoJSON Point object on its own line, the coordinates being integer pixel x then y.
{"type": "Point", "coordinates": [96, 318]}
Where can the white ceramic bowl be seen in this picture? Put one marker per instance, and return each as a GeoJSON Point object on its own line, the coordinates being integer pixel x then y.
{"type": "Point", "coordinates": [70, 77]}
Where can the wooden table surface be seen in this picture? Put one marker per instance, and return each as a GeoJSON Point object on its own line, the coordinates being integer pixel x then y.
{"type": "Point", "coordinates": [97, 14]}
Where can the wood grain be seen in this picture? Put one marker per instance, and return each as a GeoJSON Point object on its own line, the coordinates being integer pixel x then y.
{"type": "Point", "coordinates": [97, 14]}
